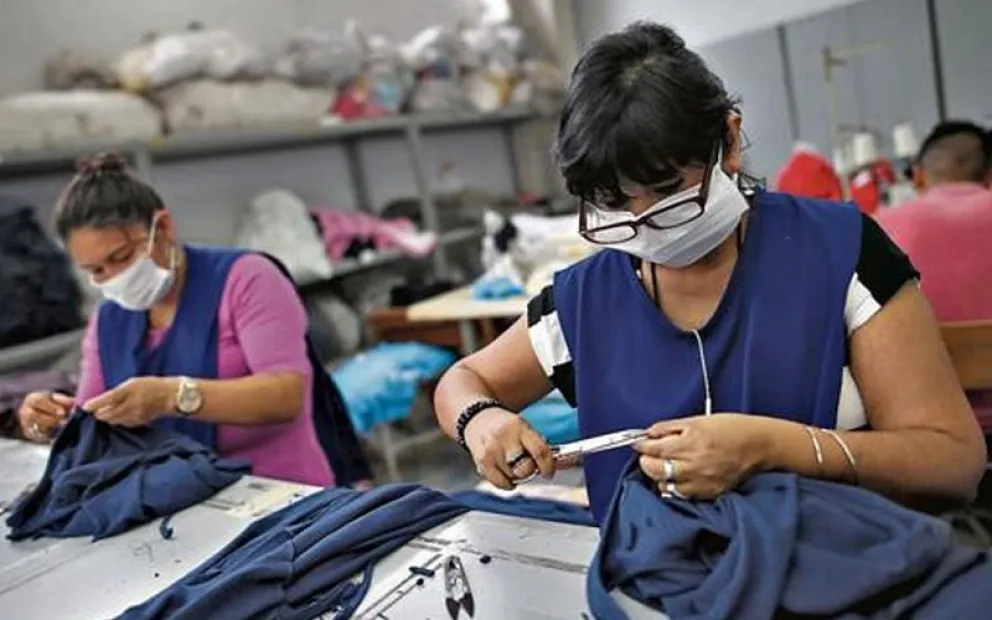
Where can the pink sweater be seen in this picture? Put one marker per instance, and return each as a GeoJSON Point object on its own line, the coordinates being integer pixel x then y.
{"type": "Point", "coordinates": [262, 326]}
{"type": "Point", "coordinates": [946, 234]}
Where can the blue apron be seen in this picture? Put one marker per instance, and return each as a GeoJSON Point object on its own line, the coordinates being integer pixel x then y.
{"type": "Point", "coordinates": [775, 345]}
{"type": "Point", "coordinates": [190, 348]}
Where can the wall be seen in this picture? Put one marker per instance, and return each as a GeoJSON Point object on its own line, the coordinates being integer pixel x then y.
{"type": "Point", "coordinates": [209, 194]}
{"type": "Point", "coordinates": [965, 51]}
{"type": "Point", "coordinates": [700, 22]}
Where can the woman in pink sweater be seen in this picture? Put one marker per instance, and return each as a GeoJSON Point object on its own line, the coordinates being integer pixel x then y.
{"type": "Point", "coordinates": [209, 342]}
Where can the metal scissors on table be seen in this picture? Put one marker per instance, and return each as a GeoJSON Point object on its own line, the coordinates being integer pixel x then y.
{"type": "Point", "coordinates": [590, 445]}
{"type": "Point", "coordinates": [458, 595]}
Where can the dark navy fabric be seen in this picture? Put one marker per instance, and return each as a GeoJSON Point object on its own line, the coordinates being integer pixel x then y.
{"type": "Point", "coordinates": [782, 545]}
{"type": "Point", "coordinates": [190, 348]}
{"type": "Point", "coordinates": [775, 345]}
{"type": "Point", "coordinates": [526, 507]}
{"type": "Point", "coordinates": [298, 563]}
{"type": "Point", "coordinates": [102, 480]}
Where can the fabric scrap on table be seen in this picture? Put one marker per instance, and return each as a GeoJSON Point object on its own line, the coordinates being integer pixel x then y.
{"type": "Point", "coordinates": [526, 507]}
{"type": "Point", "coordinates": [102, 480]}
{"type": "Point", "coordinates": [300, 562]}
{"type": "Point", "coordinates": [381, 384]}
{"type": "Point", "coordinates": [782, 545]}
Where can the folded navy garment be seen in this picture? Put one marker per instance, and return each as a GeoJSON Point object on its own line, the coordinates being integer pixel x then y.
{"type": "Point", "coordinates": [298, 563]}
{"type": "Point", "coordinates": [527, 507]}
{"type": "Point", "coordinates": [102, 480]}
{"type": "Point", "coordinates": [782, 546]}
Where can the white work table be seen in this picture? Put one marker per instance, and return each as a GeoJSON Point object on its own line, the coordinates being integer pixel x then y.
{"type": "Point", "coordinates": [458, 305]}
{"type": "Point", "coordinates": [538, 569]}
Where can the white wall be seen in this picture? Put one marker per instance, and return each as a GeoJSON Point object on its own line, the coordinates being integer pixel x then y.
{"type": "Point", "coordinates": [700, 22]}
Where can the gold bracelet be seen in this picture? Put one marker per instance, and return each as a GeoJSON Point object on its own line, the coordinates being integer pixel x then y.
{"type": "Point", "coordinates": [817, 449]}
{"type": "Point", "coordinates": [847, 453]}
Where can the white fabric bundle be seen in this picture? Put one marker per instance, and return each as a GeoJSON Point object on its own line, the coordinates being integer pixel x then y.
{"type": "Point", "coordinates": [279, 223]}
{"type": "Point", "coordinates": [40, 120]}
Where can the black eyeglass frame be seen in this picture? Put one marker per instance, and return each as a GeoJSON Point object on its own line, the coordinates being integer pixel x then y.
{"type": "Point", "coordinates": [635, 224]}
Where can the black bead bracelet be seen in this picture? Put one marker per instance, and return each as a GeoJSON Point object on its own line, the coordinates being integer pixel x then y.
{"type": "Point", "coordinates": [470, 412]}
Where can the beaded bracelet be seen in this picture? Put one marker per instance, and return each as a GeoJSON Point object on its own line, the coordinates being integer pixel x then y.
{"type": "Point", "coordinates": [470, 412]}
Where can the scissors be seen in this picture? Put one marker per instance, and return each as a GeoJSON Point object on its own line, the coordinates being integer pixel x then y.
{"type": "Point", "coordinates": [458, 595]}
{"type": "Point", "coordinates": [599, 443]}
{"type": "Point", "coordinates": [582, 447]}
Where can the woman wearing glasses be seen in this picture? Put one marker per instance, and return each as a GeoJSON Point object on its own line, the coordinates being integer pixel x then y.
{"type": "Point", "coordinates": [747, 330]}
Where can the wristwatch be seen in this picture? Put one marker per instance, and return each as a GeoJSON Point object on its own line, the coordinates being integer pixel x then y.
{"type": "Point", "coordinates": [189, 398]}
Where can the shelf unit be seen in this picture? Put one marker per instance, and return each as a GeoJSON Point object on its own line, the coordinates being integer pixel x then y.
{"type": "Point", "coordinates": [190, 145]}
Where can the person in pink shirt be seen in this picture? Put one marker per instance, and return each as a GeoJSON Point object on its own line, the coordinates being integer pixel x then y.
{"type": "Point", "coordinates": [947, 230]}
{"type": "Point", "coordinates": [208, 341]}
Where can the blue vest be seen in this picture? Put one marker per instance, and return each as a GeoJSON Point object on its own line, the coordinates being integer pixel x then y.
{"type": "Point", "coordinates": [775, 345]}
{"type": "Point", "coordinates": [190, 348]}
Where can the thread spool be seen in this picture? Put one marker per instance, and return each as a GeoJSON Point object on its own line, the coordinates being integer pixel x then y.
{"type": "Point", "coordinates": [904, 140]}
{"type": "Point", "coordinates": [865, 150]}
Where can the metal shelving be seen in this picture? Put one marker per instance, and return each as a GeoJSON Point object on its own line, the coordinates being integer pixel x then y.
{"type": "Point", "coordinates": [190, 145]}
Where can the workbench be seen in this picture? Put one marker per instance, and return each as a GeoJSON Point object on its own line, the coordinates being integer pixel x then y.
{"type": "Point", "coordinates": [458, 306]}
{"type": "Point", "coordinates": [537, 568]}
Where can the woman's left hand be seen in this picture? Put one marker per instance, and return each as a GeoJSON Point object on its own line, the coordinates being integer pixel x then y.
{"type": "Point", "coordinates": [704, 456]}
{"type": "Point", "coordinates": [139, 401]}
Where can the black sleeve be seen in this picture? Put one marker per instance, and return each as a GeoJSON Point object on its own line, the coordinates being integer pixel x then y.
{"type": "Point", "coordinates": [549, 343]}
{"type": "Point", "coordinates": [882, 267]}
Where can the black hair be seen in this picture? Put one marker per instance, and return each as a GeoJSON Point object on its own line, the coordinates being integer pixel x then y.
{"type": "Point", "coordinates": [104, 193]}
{"type": "Point", "coordinates": [639, 106]}
{"type": "Point", "coordinates": [944, 153]}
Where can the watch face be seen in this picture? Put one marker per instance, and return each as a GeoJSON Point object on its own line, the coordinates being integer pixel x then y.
{"type": "Point", "coordinates": [190, 399]}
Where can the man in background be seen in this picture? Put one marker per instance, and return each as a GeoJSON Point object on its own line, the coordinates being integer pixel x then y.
{"type": "Point", "coordinates": [947, 231]}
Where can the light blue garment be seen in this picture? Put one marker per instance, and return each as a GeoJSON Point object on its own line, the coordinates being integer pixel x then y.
{"type": "Point", "coordinates": [554, 418]}
{"type": "Point", "coordinates": [380, 385]}
{"type": "Point", "coordinates": [495, 287]}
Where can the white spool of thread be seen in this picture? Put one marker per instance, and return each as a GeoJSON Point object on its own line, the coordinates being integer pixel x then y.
{"type": "Point", "coordinates": [865, 149]}
{"type": "Point", "coordinates": [904, 140]}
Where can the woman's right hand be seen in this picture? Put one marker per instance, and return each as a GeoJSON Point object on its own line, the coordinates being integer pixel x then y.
{"type": "Point", "coordinates": [42, 414]}
{"type": "Point", "coordinates": [495, 437]}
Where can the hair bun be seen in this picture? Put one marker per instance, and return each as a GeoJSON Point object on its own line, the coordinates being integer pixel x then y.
{"type": "Point", "coordinates": [103, 162]}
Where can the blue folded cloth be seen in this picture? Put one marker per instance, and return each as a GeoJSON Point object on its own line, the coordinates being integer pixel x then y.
{"type": "Point", "coordinates": [554, 418]}
{"type": "Point", "coordinates": [298, 563]}
{"type": "Point", "coordinates": [780, 546]}
{"type": "Point", "coordinates": [102, 480]}
{"type": "Point", "coordinates": [491, 288]}
{"type": "Point", "coordinates": [526, 507]}
{"type": "Point", "coordinates": [381, 384]}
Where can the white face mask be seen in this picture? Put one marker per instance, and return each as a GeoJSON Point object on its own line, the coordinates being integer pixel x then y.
{"type": "Point", "coordinates": [683, 245]}
{"type": "Point", "coordinates": [143, 284]}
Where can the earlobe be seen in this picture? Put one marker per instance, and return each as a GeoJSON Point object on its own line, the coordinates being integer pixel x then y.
{"type": "Point", "coordinates": [733, 162]}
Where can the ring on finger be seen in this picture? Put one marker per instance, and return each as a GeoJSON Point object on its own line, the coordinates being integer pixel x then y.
{"type": "Point", "coordinates": [36, 430]}
{"type": "Point", "coordinates": [512, 463]}
{"type": "Point", "coordinates": [669, 467]}
{"type": "Point", "coordinates": [671, 491]}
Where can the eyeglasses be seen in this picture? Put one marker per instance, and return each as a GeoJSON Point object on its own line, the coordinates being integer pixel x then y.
{"type": "Point", "coordinates": [595, 224]}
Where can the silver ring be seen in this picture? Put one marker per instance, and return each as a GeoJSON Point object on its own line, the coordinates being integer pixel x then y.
{"type": "Point", "coordinates": [669, 466]}
{"type": "Point", "coordinates": [36, 430]}
{"type": "Point", "coordinates": [671, 491]}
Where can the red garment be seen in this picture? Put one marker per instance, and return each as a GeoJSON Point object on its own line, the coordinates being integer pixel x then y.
{"type": "Point", "coordinates": [807, 173]}
{"type": "Point", "coordinates": [946, 234]}
{"type": "Point", "coordinates": [869, 186]}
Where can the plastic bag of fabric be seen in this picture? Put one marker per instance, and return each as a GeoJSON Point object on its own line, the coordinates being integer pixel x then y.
{"type": "Point", "coordinates": [72, 70]}
{"type": "Point", "coordinates": [321, 59]}
{"type": "Point", "coordinates": [277, 222]}
{"type": "Point", "coordinates": [42, 120]}
{"type": "Point", "coordinates": [173, 58]}
{"type": "Point", "coordinates": [41, 296]}
{"type": "Point", "coordinates": [208, 104]}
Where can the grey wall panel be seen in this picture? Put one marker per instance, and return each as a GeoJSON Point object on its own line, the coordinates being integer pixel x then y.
{"type": "Point", "coordinates": [966, 55]}
{"type": "Point", "coordinates": [891, 82]}
{"type": "Point", "coordinates": [751, 67]}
